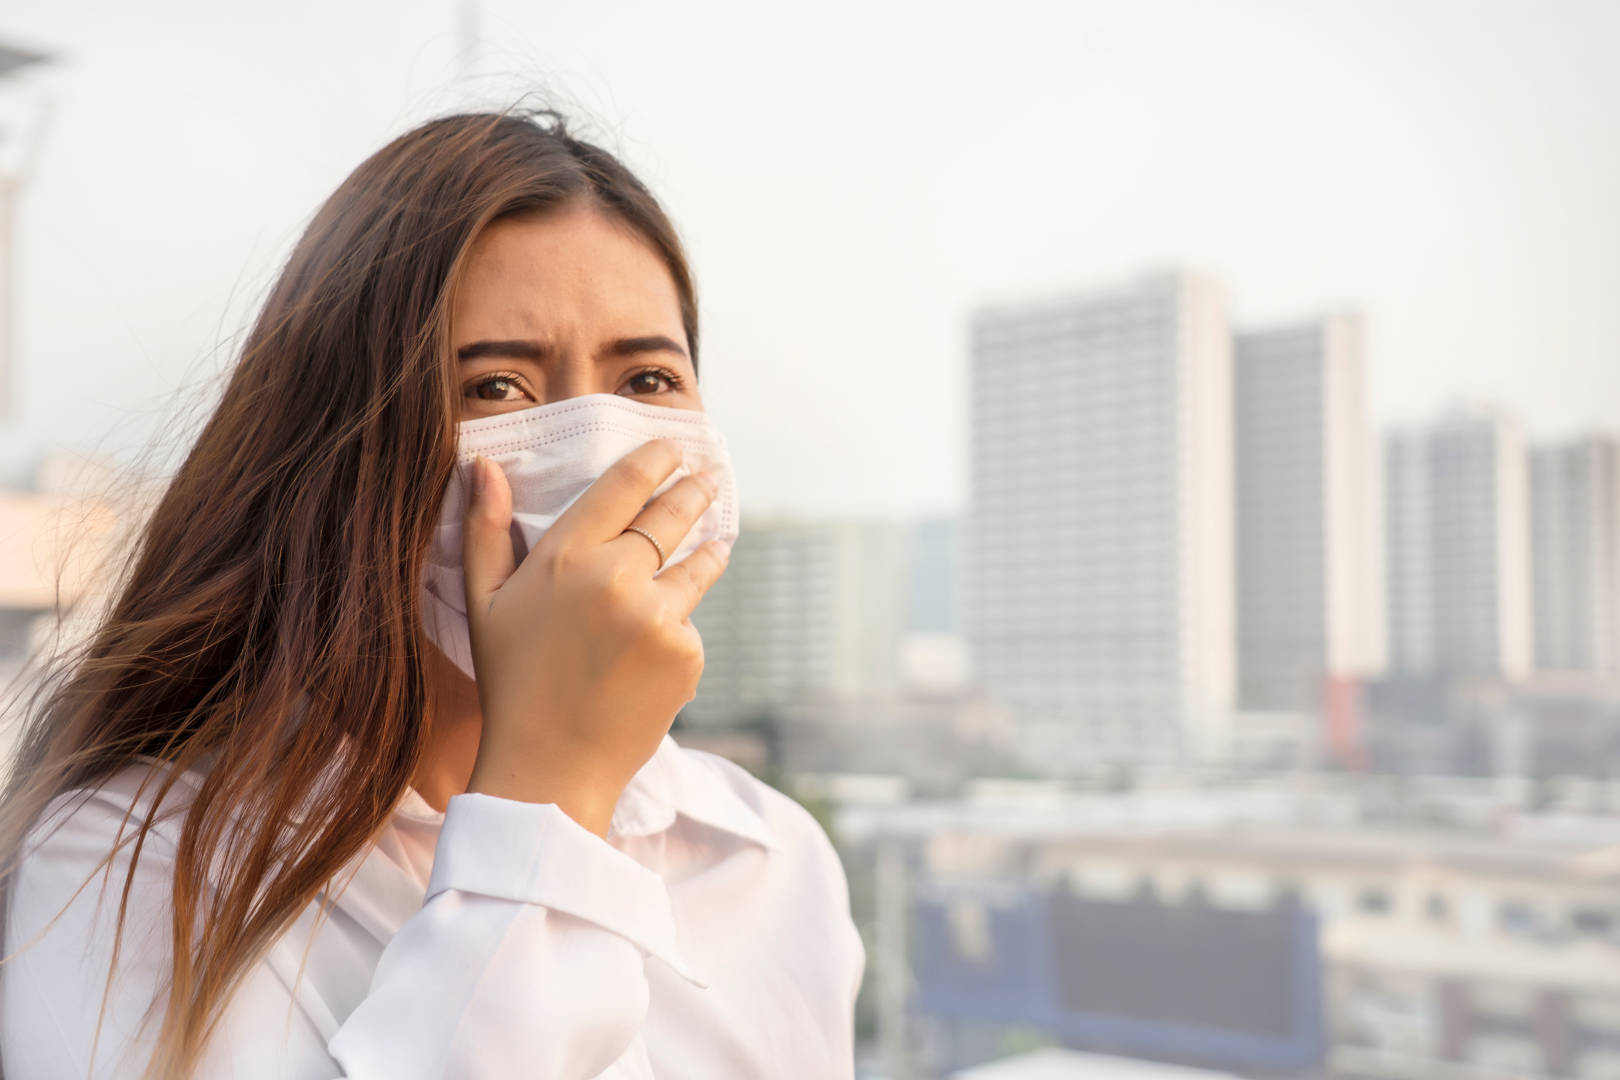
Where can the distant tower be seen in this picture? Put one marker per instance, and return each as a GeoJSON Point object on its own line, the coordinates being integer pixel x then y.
{"type": "Point", "coordinates": [1575, 546]}
{"type": "Point", "coordinates": [1099, 601]}
{"type": "Point", "coordinates": [1309, 589]}
{"type": "Point", "coordinates": [1458, 519]}
{"type": "Point", "coordinates": [21, 123]}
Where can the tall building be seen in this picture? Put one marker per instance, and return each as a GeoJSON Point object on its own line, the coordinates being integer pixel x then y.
{"type": "Point", "coordinates": [1458, 544]}
{"type": "Point", "coordinates": [18, 143]}
{"type": "Point", "coordinates": [1098, 549]}
{"type": "Point", "coordinates": [804, 607]}
{"type": "Point", "coordinates": [1309, 591]}
{"type": "Point", "coordinates": [1575, 545]}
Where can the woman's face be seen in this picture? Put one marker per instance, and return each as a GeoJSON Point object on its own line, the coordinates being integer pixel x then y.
{"type": "Point", "coordinates": [568, 302]}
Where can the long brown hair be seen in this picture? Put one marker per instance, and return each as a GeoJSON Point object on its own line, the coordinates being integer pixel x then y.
{"type": "Point", "coordinates": [267, 625]}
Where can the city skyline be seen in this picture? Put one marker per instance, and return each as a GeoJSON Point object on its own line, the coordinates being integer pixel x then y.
{"type": "Point", "coordinates": [1190, 547]}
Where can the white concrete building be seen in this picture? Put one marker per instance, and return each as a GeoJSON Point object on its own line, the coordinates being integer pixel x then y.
{"type": "Point", "coordinates": [1098, 549]}
{"type": "Point", "coordinates": [1309, 586]}
{"type": "Point", "coordinates": [1480, 951]}
{"type": "Point", "coordinates": [1458, 546]}
{"type": "Point", "coordinates": [23, 112]}
{"type": "Point", "coordinates": [804, 606]}
{"type": "Point", "coordinates": [1575, 546]}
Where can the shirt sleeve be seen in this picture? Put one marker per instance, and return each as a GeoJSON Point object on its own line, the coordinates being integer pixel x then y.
{"type": "Point", "coordinates": [526, 959]}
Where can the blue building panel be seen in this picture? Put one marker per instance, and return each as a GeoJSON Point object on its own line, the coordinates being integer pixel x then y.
{"type": "Point", "coordinates": [1185, 982]}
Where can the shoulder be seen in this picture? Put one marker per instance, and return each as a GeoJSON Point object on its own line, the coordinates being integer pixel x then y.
{"type": "Point", "coordinates": [95, 828]}
{"type": "Point", "coordinates": [79, 883]}
{"type": "Point", "coordinates": [133, 790]}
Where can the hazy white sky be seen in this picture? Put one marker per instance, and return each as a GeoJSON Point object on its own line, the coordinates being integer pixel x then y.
{"type": "Point", "coordinates": [852, 177]}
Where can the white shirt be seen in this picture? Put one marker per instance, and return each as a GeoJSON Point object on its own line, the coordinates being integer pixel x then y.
{"type": "Point", "coordinates": [708, 936]}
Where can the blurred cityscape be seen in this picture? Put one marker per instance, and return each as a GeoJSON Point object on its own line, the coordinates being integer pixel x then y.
{"type": "Point", "coordinates": [1219, 735]}
{"type": "Point", "coordinates": [1207, 734]}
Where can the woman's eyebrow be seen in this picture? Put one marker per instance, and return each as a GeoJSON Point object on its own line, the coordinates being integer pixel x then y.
{"type": "Point", "coordinates": [521, 350]}
{"type": "Point", "coordinates": [630, 346]}
{"type": "Point", "coordinates": [539, 350]}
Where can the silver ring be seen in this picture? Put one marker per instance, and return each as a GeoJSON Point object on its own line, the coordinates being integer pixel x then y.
{"type": "Point", "coordinates": [655, 543]}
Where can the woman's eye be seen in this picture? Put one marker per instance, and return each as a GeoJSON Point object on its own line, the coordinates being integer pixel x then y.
{"type": "Point", "coordinates": [646, 382]}
{"type": "Point", "coordinates": [496, 388]}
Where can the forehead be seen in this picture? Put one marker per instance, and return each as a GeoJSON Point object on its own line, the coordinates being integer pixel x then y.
{"type": "Point", "coordinates": [573, 264]}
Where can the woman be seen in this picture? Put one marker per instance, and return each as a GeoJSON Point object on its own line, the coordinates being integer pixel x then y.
{"type": "Point", "coordinates": [315, 845]}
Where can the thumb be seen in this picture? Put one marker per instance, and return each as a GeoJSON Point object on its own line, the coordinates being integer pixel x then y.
{"type": "Point", "coordinates": [486, 541]}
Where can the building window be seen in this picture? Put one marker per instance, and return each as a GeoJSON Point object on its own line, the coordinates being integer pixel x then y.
{"type": "Point", "coordinates": [1373, 901]}
{"type": "Point", "coordinates": [1516, 918]}
{"type": "Point", "coordinates": [1594, 921]}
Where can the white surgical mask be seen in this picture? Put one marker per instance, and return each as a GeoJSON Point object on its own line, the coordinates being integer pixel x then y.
{"type": "Point", "coordinates": [550, 454]}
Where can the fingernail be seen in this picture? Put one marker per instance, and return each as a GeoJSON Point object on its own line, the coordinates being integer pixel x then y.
{"type": "Point", "coordinates": [479, 464]}
{"type": "Point", "coordinates": [711, 480]}
{"type": "Point", "coordinates": [723, 547]}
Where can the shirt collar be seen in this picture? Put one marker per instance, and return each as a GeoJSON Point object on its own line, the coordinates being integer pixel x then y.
{"type": "Point", "coordinates": [673, 782]}
{"type": "Point", "coordinates": [677, 781]}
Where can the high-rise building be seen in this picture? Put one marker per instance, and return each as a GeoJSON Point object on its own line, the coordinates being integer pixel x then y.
{"type": "Point", "coordinates": [1309, 589]}
{"type": "Point", "coordinates": [1098, 549]}
{"type": "Point", "coordinates": [1575, 546]}
{"type": "Point", "coordinates": [805, 606]}
{"type": "Point", "coordinates": [1458, 546]}
{"type": "Point", "coordinates": [17, 141]}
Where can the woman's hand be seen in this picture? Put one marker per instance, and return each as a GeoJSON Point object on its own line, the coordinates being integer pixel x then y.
{"type": "Point", "coordinates": [583, 656]}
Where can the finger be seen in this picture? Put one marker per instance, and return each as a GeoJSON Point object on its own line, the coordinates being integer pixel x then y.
{"type": "Point", "coordinates": [690, 578]}
{"type": "Point", "coordinates": [669, 518]}
{"type": "Point", "coordinates": [614, 499]}
{"type": "Point", "coordinates": [486, 539]}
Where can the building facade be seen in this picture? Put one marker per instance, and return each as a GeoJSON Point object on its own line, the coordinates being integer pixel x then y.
{"type": "Point", "coordinates": [1309, 588]}
{"type": "Point", "coordinates": [805, 606]}
{"type": "Point", "coordinates": [1483, 948]}
{"type": "Point", "coordinates": [1457, 513]}
{"type": "Point", "coordinates": [1099, 587]}
{"type": "Point", "coordinates": [1575, 544]}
